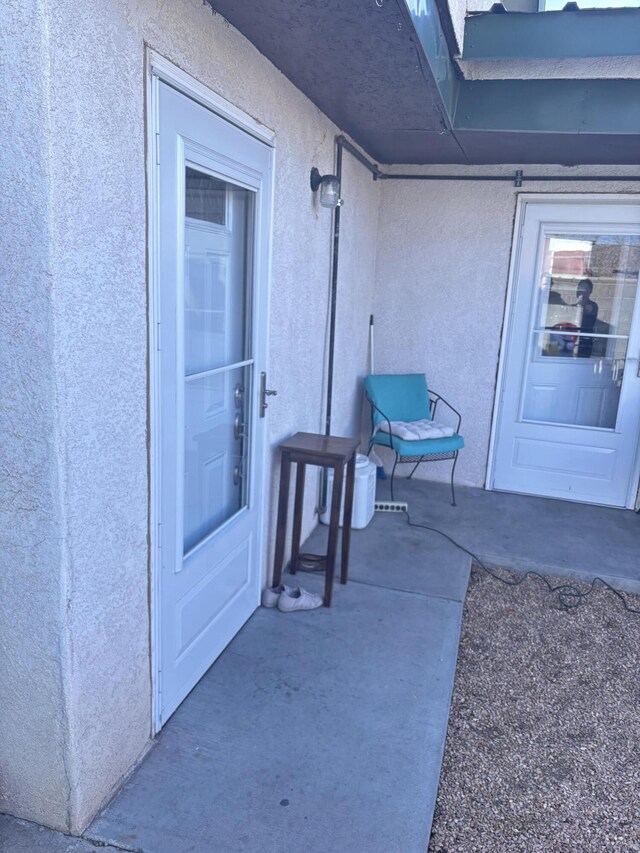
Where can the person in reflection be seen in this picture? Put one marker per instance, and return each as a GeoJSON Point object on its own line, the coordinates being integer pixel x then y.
{"type": "Point", "coordinates": [589, 316]}
{"type": "Point", "coordinates": [555, 298]}
{"type": "Point", "coordinates": [546, 286]}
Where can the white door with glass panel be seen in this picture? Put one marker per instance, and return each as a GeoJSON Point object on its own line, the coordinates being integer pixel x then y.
{"type": "Point", "coordinates": [213, 219]}
{"type": "Point", "coordinates": [569, 412]}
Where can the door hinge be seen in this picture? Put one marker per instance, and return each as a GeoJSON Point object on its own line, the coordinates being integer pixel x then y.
{"type": "Point", "coordinates": [158, 347]}
{"type": "Point", "coordinates": [157, 149]}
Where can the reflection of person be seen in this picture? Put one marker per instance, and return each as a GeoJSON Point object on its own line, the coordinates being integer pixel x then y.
{"type": "Point", "coordinates": [589, 316]}
{"type": "Point", "coordinates": [554, 297]}
{"type": "Point", "coordinates": [546, 286]}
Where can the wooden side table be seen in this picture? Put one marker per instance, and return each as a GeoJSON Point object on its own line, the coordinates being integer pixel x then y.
{"type": "Point", "coordinates": [326, 451]}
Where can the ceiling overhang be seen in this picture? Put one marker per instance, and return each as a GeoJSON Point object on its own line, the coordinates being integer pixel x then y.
{"type": "Point", "coordinates": [381, 70]}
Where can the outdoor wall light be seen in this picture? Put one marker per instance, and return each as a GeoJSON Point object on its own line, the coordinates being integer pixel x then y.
{"type": "Point", "coordinates": [329, 187]}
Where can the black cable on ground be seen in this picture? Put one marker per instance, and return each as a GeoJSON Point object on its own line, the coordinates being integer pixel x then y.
{"type": "Point", "coordinates": [311, 562]}
{"type": "Point", "coordinates": [569, 595]}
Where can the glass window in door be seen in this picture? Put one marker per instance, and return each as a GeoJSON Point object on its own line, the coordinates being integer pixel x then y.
{"type": "Point", "coordinates": [217, 351]}
{"type": "Point", "coordinates": [581, 323]}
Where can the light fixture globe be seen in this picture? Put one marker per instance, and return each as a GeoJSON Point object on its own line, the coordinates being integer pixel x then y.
{"type": "Point", "coordinates": [329, 187]}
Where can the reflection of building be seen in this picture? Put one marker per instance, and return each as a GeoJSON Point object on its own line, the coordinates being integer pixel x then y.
{"type": "Point", "coordinates": [615, 258]}
{"type": "Point", "coordinates": [571, 262]}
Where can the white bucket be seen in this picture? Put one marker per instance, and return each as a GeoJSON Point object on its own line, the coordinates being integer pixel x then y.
{"type": "Point", "coordinates": [364, 494]}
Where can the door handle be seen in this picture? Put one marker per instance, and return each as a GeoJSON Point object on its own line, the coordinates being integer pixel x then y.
{"type": "Point", "coordinates": [264, 393]}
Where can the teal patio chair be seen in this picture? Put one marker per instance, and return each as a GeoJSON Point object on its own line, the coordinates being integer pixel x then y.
{"type": "Point", "coordinates": [406, 398]}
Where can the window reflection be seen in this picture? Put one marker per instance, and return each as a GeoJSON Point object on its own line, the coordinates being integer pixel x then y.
{"type": "Point", "coordinates": [585, 300]}
{"type": "Point", "coordinates": [587, 291]}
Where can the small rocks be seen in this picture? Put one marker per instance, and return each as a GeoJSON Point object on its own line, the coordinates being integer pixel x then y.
{"type": "Point", "coordinates": [542, 752]}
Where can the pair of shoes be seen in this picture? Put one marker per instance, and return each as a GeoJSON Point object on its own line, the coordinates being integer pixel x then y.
{"type": "Point", "coordinates": [271, 594]}
{"type": "Point", "coordinates": [287, 598]}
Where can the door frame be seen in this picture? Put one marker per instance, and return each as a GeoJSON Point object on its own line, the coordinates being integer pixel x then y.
{"type": "Point", "coordinates": [158, 70]}
{"type": "Point", "coordinates": [522, 201]}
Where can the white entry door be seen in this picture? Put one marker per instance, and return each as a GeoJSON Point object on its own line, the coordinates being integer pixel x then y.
{"type": "Point", "coordinates": [213, 209]}
{"type": "Point", "coordinates": [569, 412]}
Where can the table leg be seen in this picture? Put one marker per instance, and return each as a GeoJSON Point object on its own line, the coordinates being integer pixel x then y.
{"type": "Point", "coordinates": [283, 506]}
{"type": "Point", "coordinates": [348, 512]}
{"type": "Point", "coordinates": [334, 530]}
{"type": "Point", "coordinates": [297, 517]}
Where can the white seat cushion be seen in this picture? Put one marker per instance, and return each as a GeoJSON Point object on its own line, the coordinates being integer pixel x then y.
{"type": "Point", "coordinates": [417, 430]}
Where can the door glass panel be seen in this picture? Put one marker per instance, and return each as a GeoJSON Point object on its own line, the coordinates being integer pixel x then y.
{"type": "Point", "coordinates": [216, 451]}
{"type": "Point", "coordinates": [217, 341]}
{"type": "Point", "coordinates": [217, 272]}
{"type": "Point", "coordinates": [581, 324]}
{"type": "Point", "coordinates": [205, 197]}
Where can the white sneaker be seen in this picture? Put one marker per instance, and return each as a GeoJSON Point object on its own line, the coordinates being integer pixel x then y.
{"type": "Point", "coordinates": [271, 594]}
{"type": "Point", "coordinates": [298, 599]}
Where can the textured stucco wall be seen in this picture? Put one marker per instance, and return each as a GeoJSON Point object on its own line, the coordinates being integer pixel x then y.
{"type": "Point", "coordinates": [458, 12]}
{"type": "Point", "coordinates": [441, 279]}
{"type": "Point", "coordinates": [34, 778]}
{"type": "Point", "coordinates": [91, 360]}
{"type": "Point", "coordinates": [591, 68]}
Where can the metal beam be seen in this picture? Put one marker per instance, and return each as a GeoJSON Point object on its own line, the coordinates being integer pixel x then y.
{"type": "Point", "coordinates": [552, 35]}
{"type": "Point", "coordinates": [610, 107]}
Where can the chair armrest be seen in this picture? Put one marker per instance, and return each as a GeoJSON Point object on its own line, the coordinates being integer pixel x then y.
{"type": "Point", "coordinates": [373, 430]}
{"type": "Point", "coordinates": [434, 399]}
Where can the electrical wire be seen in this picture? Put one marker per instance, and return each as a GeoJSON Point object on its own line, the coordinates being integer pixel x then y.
{"type": "Point", "coordinates": [569, 595]}
{"type": "Point", "coordinates": [311, 562]}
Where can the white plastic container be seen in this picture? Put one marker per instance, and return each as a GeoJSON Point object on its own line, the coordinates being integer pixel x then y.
{"type": "Point", "coordinates": [364, 494]}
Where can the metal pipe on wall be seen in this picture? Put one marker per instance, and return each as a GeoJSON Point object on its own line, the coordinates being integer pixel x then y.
{"type": "Point", "coordinates": [342, 144]}
{"type": "Point", "coordinates": [334, 292]}
{"type": "Point", "coordinates": [518, 178]}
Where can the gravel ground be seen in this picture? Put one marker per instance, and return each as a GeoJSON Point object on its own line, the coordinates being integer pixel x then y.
{"type": "Point", "coordinates": [543, 745]}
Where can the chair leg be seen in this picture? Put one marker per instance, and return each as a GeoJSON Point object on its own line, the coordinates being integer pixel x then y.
{"type": "Point", "coordinates": [453, 494]}
{"type": "Point", "coordinates": [392, 476]}
{"type": "Point", "coordinates": [413, 470]}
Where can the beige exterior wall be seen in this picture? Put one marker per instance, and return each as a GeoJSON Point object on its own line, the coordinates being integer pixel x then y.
{"type": "Point", "coordinates": [77, 699]}
{"type": "Point", "coordinates": [590, 68]}
{"type": "Point", "coordinates": [441, 281]}
{"type": "Point", "coordinates": [34, 651]}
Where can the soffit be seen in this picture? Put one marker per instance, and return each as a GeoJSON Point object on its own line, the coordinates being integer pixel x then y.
{"type": "Point", "coordinates": [383, 74]}
{"type": "Point", "coordinates": [359, 62]}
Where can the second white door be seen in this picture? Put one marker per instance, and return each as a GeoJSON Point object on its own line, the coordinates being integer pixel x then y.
{"type": "Point", "coordinates": [569, 414]}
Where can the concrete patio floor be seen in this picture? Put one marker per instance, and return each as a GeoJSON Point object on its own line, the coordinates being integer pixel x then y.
{"type": "Point", "coordinates": [325, 730]}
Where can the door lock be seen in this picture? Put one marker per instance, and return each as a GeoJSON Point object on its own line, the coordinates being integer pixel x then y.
{"type": "Point", "coordinates": [238, 394]}
{"type": "Point", "coordinates": [264, 393]}
{"type": "Point", "coordinates": [238, 427]}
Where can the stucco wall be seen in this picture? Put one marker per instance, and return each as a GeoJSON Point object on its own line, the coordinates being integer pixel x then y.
{"type": "Point", "coordinates": [34, 778]}
{"type": "Point", "coordinates": [441, 279]}
{"type": "Point", "coordinates": [589, 68]}
{"type": "Point", "coordinates": [90, 358]}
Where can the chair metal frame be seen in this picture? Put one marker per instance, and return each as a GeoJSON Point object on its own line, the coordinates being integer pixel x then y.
{"type": "Point", "coordinates": [434, 399]}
